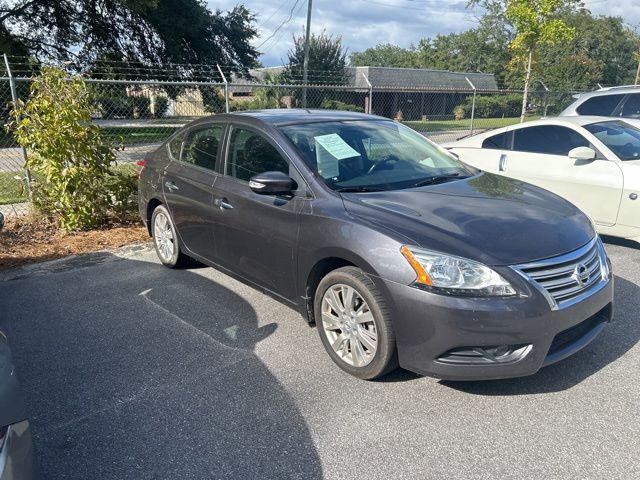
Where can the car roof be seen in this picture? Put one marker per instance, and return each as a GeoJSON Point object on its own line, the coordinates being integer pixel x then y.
{"type": "Point", "coordinates": [621, 90]}
{"type": "Point", "coordinates": [290, 116]}
{"type": "Point", "coordinates": [579, 121]}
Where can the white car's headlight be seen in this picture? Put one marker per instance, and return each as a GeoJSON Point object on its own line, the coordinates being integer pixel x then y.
{"type": "Point", "coordinates": [455, 275]}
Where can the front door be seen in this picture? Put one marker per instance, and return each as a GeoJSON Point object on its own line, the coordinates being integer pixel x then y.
{"type": "Point", "coordinates": [258, 233]}
{"type": "Point", "coordinates": [188, 187]}
{"type": "Point", "coordinates": [540, 156]}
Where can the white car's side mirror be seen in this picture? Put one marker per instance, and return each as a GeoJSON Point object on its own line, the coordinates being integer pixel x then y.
{"type": "Point", "coordinates": [582, 153]}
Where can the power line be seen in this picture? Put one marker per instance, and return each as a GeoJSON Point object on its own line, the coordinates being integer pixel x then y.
{"type": "Point", "coordinates": [273, 14]}
{"type": "Point", "coordinates": [276, 39]}
{"type": "Point", "coordinates": [280, 26]}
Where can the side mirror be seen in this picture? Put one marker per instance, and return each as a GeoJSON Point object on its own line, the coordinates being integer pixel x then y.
{"type": "Point", "coordinates": [583, 153]}
{"type": "Point", "coordinates": [272, 183]}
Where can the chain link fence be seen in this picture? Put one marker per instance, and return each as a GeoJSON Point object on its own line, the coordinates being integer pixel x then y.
{"type": "Point", "coordinates": [136, 116]}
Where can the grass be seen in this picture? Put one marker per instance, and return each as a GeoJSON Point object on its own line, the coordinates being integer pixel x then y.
{"type": "Point", "coordinates": [135, 135]}
{"type": "Point", "coordinates": [464, 124]}
{"type": "Point", "coordinates": [13, 190]}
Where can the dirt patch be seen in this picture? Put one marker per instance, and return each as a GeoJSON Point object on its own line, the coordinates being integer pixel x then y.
{"type": "Point", "coordinates": [24, 240]}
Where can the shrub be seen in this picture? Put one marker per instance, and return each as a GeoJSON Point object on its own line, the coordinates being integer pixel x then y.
{"type": "Point", "coordinates": [160, 106]}
{"type": "Point", "coordinates": [121, 187]}
{"type": "Point", "coordinates": [114, 107]}
{"type": "Point", "coordinates": [459, 112]}
{"type": "Point", "coordinates": [493, 106]}
{"type": "Point", "coordinates": [338, 105]}
{"type": "Point", "coordinates": [140, 107]}
{"type": "Point", "coordinates": [66, 151]}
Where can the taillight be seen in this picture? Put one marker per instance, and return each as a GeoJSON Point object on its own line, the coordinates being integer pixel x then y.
{"type": "Point", "coordinates": [140, 163]}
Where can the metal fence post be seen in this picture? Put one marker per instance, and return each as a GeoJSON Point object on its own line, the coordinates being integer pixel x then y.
{"type": "Point", "coordinates": [473, 104]}
{"type": "Point", "coordinates": [545, 99]}
{"type": "Point", "coordinates": [14, 97]}
{"type": "Point", "coordinates": [226, 89]}
{"type": "Point", "coordinates": [370, 106]}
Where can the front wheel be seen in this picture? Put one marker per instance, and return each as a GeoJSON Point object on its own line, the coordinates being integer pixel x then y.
{"type": "Point", "coordinates": [354, 324]}
{"type": "Point", "coordinates": [165, 239]}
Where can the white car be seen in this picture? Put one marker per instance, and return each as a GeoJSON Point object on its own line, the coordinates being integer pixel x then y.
{"type": "Point", "coordinates": [594, 162]}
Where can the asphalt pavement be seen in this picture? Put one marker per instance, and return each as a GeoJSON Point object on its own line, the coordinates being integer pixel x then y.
{"type": "Point", "coordinates": [135, 371]}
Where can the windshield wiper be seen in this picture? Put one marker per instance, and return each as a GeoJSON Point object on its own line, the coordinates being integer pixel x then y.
{"type": "Point", "coordinates": [359, 189]}
{"type": "Point", "coordinates": [439, 179]}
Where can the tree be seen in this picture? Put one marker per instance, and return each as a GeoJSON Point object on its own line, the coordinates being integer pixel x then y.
{"type": "Point", "coordinates": [536, 23]}
{"type": "Point", "coordinates": [327, 62]}
{"type": "Point", "coordinates": [386, 55]}
{"type": "Point", "coordinates": [162, 32]}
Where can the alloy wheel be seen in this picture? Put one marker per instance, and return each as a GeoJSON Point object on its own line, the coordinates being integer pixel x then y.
{"type": "Point", "coordinates": [163, 236]}
{"type": "Point", "coordinates": [349, 326]}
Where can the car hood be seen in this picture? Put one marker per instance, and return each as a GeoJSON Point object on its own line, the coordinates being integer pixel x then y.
{"type": "Point", "coordinates": [488, 218]}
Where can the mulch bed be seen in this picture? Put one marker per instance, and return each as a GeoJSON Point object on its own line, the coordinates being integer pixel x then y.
{"type": "Point", "coordinates": [25, 240]}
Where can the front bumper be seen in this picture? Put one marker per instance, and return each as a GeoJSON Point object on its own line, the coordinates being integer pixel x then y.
{"type": "Point", "coordinates": [429, 325]}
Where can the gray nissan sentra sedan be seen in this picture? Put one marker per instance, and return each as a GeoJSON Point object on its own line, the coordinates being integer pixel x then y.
{"type": "Point", "coordinates": [398, 253]}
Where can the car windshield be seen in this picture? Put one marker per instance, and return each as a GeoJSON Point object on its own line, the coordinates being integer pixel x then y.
{"type": "Point", "coordinates": [372, 155]}
{"type": "Point", "coordinates": [620, 137]}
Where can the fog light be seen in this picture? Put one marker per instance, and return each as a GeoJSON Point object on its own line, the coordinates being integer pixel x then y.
{"type": "Point", "coordinates": [485, 355]}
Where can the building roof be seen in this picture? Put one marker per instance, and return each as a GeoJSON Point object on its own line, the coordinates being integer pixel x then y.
{"type": "Point", "coordinates": [420, 78]}
{"type": "Point", "coordinates": [390, 78]}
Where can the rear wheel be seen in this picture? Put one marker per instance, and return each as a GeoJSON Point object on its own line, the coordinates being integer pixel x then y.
{"type": "Point", "coordinates": [165, 239]}
{"type": "Point", "coordinates": [354, 325]}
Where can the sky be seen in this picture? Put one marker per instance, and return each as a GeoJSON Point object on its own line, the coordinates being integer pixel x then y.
{"type": "Point", "coordinates": [365, 23]}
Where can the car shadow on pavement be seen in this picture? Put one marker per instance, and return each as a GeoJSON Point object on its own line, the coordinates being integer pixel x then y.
{"type": "Point", "coordinates": [616, 339]}
{"type": "Point", "coordinates": [136, 371]}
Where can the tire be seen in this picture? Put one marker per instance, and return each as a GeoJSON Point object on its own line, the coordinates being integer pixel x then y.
{"type": "Point", "coordinates": [348, 334]}
{"type": "Point", "coordinates": [165, 239]}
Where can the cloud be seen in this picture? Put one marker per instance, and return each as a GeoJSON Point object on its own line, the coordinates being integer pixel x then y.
{"type": "Point", "coordinates": [365, 23]}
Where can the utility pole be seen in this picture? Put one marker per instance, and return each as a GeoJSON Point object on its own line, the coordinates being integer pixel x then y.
{"type": "Point", "coordinates": [305, 65]}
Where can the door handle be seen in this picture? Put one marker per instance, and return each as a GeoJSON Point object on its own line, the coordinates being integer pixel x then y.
{"type": "Point", "coordinates": [222, 204]}
{"type": "Point", "coordinates": [502, 164]}
{"type": "Point", "coordinates": [171, 186]}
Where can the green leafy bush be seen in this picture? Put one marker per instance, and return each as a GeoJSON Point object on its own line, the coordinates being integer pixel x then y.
{"type": "Point", "coordinates": [76, 183]}
{"type": "Point", "coordinates": [460, 112]}
{"type": "Point", "coordinates": [160, 107]}
{"type": "Point", "coordinates": [492, 106]}
{"type": "Point", "coordinates": [140, 107]}
{"type": "Point", "coordinates": [338, 105]}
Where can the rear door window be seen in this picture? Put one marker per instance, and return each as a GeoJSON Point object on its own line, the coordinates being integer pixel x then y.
{"type": "Point", "coordinates": [201, 146]}
{"type": "Point", "coordinates": [631, 107]}
{"type": "Point", "coordinates": [548, 139]}
{"type": "Point", "coordinates": [175, 145]}
{"type": "Point", "coordinates": [502, 141]}
{"type": "Point", "coordinates": [603, 105]}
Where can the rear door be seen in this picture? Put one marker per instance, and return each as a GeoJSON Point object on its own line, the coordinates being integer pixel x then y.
{"type": "Point", "coordinates": [188, 186]}
{"type": "Point", "coordinates": [260, 232]}
{"type": "Point", "coordinates": [540, 156]}
{"type": "Point", "coordinates": [491, 155]}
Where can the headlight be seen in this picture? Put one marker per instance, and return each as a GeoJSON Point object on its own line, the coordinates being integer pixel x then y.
{"type": "Point", "coordinates": [455, 275]}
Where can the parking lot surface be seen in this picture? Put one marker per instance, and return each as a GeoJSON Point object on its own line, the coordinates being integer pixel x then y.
{"type": "Point", "coordinates": [134, 371]}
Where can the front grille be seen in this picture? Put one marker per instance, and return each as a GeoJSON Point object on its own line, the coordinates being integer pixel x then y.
{"type": "Point", "coordinates": [568, 277]}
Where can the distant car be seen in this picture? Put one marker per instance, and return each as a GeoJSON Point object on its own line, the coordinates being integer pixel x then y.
{"type": "Point", "coordinates": [396, 250]}
{"type": "Point", "coordinates": [593, 162]}
{"type": "Point", "coordinates": [15, 433]}
{"type": "Point", "coordinates": [622, 102]}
